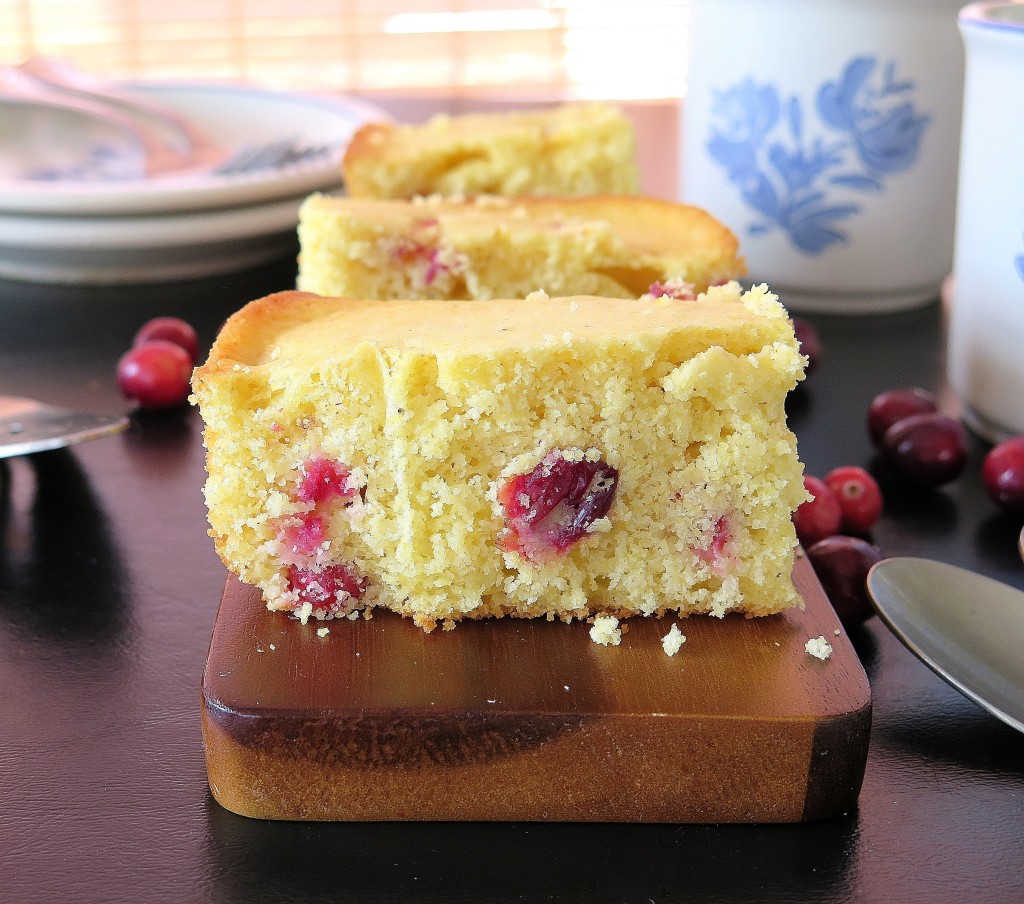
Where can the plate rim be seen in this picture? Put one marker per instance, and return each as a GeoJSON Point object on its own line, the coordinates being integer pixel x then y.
{"type": "Point", "coordinates": [194, 191]}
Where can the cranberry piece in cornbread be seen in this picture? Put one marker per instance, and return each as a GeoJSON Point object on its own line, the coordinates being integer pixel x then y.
{"type": "Point", "coordinates": [323, 479]}
{"type": "Point", "coordinates": [333, 589]}
{"type": "Point", "coordinates": [556, 504]}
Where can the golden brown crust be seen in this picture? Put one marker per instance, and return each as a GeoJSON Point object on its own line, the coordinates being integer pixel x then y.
{"type": "Point", "coordinates": [272, 313]}
{"type": "Point", "coordinates": [367, 139]}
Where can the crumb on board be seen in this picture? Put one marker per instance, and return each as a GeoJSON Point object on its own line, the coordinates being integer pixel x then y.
{"type": "Point", "coordinates": [673, 640]}
{"type": "Point", "coordinates": [605, 631]}
{"type": "Point", "coordinates": [819, 647]}
{"type": "Point", "coordinates": [322, 632]}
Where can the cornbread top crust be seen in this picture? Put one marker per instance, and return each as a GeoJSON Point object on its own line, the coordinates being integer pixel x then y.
{"type": "Point", "coordinates": [391, 140]}
{"type": "Point", "coordinates": [487, 147]}
{"type": "Point", "coordinates": [301, 329]}
{"type": "Point", "coordinates": [649, 228]}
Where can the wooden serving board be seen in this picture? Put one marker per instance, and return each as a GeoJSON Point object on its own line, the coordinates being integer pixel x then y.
{"type": "Point", "coordinates": [517, 719]}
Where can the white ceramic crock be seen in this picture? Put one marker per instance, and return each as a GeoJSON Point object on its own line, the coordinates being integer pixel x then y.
{"type": "Point", "coordinates": [825, 134]}
{"type": "Point", "coordinates": [986, 343]}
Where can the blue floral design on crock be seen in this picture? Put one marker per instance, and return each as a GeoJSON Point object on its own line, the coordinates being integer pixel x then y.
{"type": "Point", "coordinates": [793, 180]}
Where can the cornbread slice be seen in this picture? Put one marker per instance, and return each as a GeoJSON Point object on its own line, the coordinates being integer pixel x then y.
{"type": "Point", "coordinates": [554, 457]}
{"type": "Point", "coordinates": [496, 247]}
{"type": "Point", "coordinates": [586, 149]}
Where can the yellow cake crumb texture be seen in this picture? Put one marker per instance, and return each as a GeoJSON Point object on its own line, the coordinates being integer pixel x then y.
{"type": "Point", "coordinates": [606, 631]}
{"type": "Point", "coordinates": [495, 247]}
{"type": "Point", "coordinates": [819, 648]}
{"type": "Point", "coordinates": [577, 149]}
{"type": "Point", "coordinates": [673, 641]}
{"type": "Point", "coordinates": [554, 457]}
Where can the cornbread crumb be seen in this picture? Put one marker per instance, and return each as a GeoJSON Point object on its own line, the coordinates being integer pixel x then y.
{"type": "Point", "coordinates": [322, 632]}
{"type": "Point", "coordinates": [673, 640]}
{"type": "Point", "coordinates": [606, 631]}
{"type": "Point", "coordinates": [819, 647]}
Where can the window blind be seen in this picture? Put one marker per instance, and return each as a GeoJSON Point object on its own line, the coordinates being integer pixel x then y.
{"type": "Point", "coordinates": [597, 49]}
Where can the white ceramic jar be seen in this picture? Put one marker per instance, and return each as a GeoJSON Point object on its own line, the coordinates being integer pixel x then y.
{"type": "Point", "coordinates": [825, 133]}
{"type": "Point", "coordinates": [986, 342]}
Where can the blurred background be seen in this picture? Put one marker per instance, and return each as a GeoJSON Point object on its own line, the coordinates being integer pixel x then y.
{"type": "Point", "coordinates": [545, 48]}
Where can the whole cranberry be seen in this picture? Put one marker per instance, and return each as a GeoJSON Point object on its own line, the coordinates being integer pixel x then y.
{"type": "Point", "coordinates": [889, 407]}
{"type": "Point", "coordinates": [156, 374]}
{"type": "Point", "coordinates": [859, 497]}
{"type": "Point", "coordinates": [926, 449]}
{"type": "Point", "coordinates": [818, 517]}
{"type": "Point", "coordinates": [810, 342]}
{"type": "Point", "coordinates": [170, 329]}
{"type": "Point", "coordinates": [842, 564]}
{"type": "Point", "coordinates": [1003, 474]}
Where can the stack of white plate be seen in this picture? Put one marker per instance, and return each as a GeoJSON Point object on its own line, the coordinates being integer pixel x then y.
{"type": "Point", "coordinates": [75, 206]}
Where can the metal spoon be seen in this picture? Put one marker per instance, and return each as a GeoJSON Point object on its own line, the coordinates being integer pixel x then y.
{"type": "Point", "coordinates": [29, 426]}
{"type": "Point", "coordinates": [969, 629]}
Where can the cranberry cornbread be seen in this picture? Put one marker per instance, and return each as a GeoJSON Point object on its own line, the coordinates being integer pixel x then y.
{"type": "Point", "coordinates": [557, 457]}
{"type": "Point", "coordinates": [584, 149]}
{"type": "Point", "coordinates": [496, 247]}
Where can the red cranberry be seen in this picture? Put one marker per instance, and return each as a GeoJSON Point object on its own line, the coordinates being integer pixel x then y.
{"type": "Point", "coordinates": [170, 329]}
{"type": "Point", "coordinates": [554, 505]}
{"type": "Point", "coordinates": [859, 497]}
{"type": "Point", "coordinates": [842, 564]}
{"type": "Point", "coordinates": [156, 374]}
{"type": "Point", "coordinates": [714, 553]}
{"type": "Point", "coordinates": [820, 516]}
{"type": "Point", "coordinates": [810, 342]}
{"type": "Point", "coordinates": [330, 588]}
{"type": "Point", "coordinates": [673, 288]}
{"type": "Point", "coordinates": [926, 449]}
{"type": "Point", "coordinates": [323, 479]}
{"type": "Point", "coordinates": [1003, 474]}
{"type": "Point", "coordinates": [305, 537]}
{"type": "Point", "coordinates": [889, 407]}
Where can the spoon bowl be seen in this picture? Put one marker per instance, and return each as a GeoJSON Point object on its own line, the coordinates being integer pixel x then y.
{"type": "Point", "coordinates": [969, 629]}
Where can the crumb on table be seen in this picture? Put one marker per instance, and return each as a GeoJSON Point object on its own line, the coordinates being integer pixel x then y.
{"type": "Point", "coordinates": [605, 631]}
{"type": "Point", "coordinates": [819, 647]}
{"type": "Point", "coordinates": [673, 640]}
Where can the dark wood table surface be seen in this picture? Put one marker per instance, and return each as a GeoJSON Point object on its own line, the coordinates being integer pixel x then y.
{"type": "Point", "coordinates": [108, 592]}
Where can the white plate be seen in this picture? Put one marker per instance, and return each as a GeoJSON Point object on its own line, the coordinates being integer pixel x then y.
{"type": "Point", "coordinates": [35, 140]}
{"type": "Point", "coordinates": [140, 249]}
